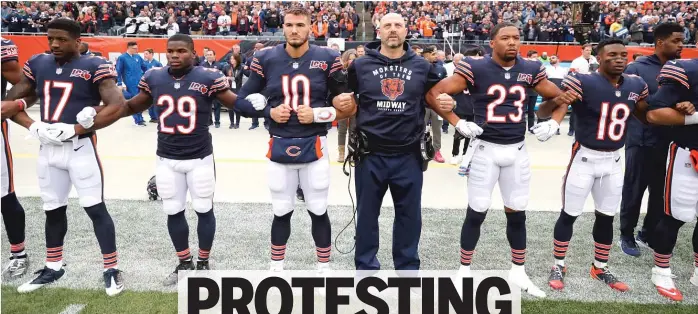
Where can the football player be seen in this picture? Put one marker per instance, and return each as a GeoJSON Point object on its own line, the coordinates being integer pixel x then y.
{"type": "Point", "coordinates": [498, 85]}
{"type": "Point", "coordinates": [678, 81]}
{"type": "Point", "coordinates": [183, 95]}
{"type": "Point", "coordinates": [297, 77]}
{"type": "Point", "coordinates": [12, 210]}
{"type": "Point", "coordinates": [65, 83]}
{"type": "Point", "coordinates": [605, 100]}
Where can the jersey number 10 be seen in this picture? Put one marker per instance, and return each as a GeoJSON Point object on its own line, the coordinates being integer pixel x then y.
{"type": "Point", "coordinates": [616, 127]}
{"type": "Point", "coordinates": [293, 88]}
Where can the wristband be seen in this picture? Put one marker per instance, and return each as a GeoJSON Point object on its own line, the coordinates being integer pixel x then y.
{"type": "Point", "coordinates": [324, 114]}
{"type": "Point", "coordinates": [22, 104]}
{"type": "Point", "coordinates": [692, 119]}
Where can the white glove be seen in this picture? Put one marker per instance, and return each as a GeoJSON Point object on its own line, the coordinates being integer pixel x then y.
{"type": "Point", "coordinates": [545, 130]}
{"type": "Point", "coordinates": [86, 117]}
{"type": "Point", "coordinates": [468, 129]}
{"type": "Point", "coordinates": [61, 132]}
{"type": "Point", "coordinates": [258, 101]}
{"type": "Point", "coordinates": [39, 130]}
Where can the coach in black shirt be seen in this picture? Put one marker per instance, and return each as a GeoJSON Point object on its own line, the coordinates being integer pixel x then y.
{"type": "Point", "coordinates": [390, 82]}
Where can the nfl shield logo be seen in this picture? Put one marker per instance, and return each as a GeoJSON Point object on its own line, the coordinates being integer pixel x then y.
{"type": "Point", "coordinates": [176, 85]}
{"type": "Point", "coordinates": [295, 65]}
{"type": "Point", "coordinates": [59, 71]}
{"type": "Point", "coordinates": [507, 76]}
{"type": "Point", "coordinates": [617, 93]}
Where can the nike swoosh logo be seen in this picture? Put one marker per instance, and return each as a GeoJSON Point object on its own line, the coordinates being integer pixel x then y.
{"type": "Point", "coordinates": [521, 147]}
{"type": "Point", "coordinates": [76, 149]}
{"type": "Point", "coordinates": [672, 292]}
{"type": "Point", "coordinates": [618, 159]}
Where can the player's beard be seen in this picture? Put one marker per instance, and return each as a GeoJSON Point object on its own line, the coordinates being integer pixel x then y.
{"type": "Point", "coordinates": [298, 45]}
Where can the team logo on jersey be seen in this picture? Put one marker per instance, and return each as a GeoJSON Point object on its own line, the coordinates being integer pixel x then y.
{"type": "Point", "coordinates": [633, 97]}
{"type": "Point", "coordinates": [617, 93]}
{"type": "Point", "coordinates": [523, 77]}
{"type": "Point", "coordinates": [59, 71]}
{"type": "Point", "coordinates": [293, 151]}
{"type": "Point", "coordinates": [392, 87]}
{"type": "Point", "coordinates": [81, 74]}
{"type": "Point", "coordinates": [176, 85]}
{"type": "Point", "coordinates": [198, 87]}
{"type": "Point", "coordinates": [507, 75]}
{"type": "Point", "coordinates": [295, 65]}
{"type": "Point", "coordinates": [318, 65]}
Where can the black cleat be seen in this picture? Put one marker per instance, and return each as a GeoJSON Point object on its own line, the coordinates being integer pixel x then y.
{"type": "Point", "coordinates": [46, 276]}
{"type": "Point", "coordinates": [174, 276]}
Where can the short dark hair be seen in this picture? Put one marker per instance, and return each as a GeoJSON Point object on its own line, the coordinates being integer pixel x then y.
{"type": "Point", "coordinates": [665, 30]}
{"type": "Point", "coordinates": [587, 45]}
{"type": "Point", "coordinates": [607, 42]}
{"type": "Point", "coordinates": [68, 25]}
{"type": "Point", "coordinates": [297, 11]}
{"type": "Point", "coordinates": [150, 50]}
{"type": "Point", "coordinates": [183, 38]}
{"type": "Point", "coordinates": [207, 48]}
{"type": "Point", "coordinates": [531, 52]}
{"type": "Point", "coordinates": [498, 27]}
{"type": "Point", "coordinates": [131, 44]}
{"type": "Point", "coordinates": [430, 49]}
{"type": "Point", "coordinates": [637, 55]}
{"type": "Point", "coordinates": [473, 52]}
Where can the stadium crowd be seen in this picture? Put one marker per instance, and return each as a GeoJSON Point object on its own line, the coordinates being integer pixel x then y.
{"type": "Point", "coordinates": [538, 21]}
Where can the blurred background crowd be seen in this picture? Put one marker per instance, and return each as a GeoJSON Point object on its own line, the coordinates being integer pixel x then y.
{"type": "Point", "coordinates": [538, 21]}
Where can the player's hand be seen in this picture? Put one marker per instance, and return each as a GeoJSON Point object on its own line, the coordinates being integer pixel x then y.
{"type": "Point", "coordinates": [305, 114]}
{"type": "Point", "coordinates": [344, 101]}
{"type": "Point", "coordinates": [545, 130]}
{"type": "Point", "coordinates": [446, 102]}
{"type": "Point", "coordinates": [39, 130]}
{"type": "Point", "coordinates": [566, 98]}
{"type": "Point", "coordinates": [61, 132]}
{"type": "Point", "coordinates": [469, 129]}
{"type": "Point", "coordinates": [11, 108]}
{"type": "Point", "coordinates": [258, 101]}
{"type": "Point", "coordinates": [281, 113]}
{"type": "Point", "coordinates": [86, 117]}
{"type": "Point", "coordinates": [685, 107]}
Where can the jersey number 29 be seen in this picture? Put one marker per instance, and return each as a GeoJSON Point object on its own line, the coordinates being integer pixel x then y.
{"type": "Point", "coordinates": [616, 128]}
{"type": "Point", "coordinates": [295, 88]}
{"type": "Point", "coordinates": [185, 107]}
{"type": "Point", "coordinates": [502, 94]}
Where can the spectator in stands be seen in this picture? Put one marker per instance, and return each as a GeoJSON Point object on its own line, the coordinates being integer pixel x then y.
{"type": "Point", "coordinates": [531, 31]}
{"type": "Point", "coordinates": [243, 23]}
{"type": "Point", "coordinates": [272, 19]}
{"type": "Point", "coordinates": [183, 22]}
{"type": "Point", "coordinates": [196, 23]}
{"type": "Point", "coordinates": [333, 29]}
{"type": "Point", "coordinates": [172, 27]}
{"type": "Point", "coordinates": [234, 72]}
{"type": "Point", "coordinates": [224, 23]}
{"type": "Point", "coordinates": [320, 27]}
{"type": "Point", "coordinates": [210, 25]}
{"type": "Point", "coordinates": [346, 26]}
{"type": "Point", "coordinates": [130, 68]}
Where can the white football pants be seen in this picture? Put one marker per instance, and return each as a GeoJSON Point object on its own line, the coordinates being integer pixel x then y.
{"type": "Point", "coordinates": [174, 178]}
{"type": "Point", "coordinates": [7, 171]}
{"type": "Point", "coordinates": [681, 187]}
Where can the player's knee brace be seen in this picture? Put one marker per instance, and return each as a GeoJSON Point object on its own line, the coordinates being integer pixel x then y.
{"type": "Point", "coordinates": [474, 218]}
{"type": "Point", "coordinates": [203, 187]}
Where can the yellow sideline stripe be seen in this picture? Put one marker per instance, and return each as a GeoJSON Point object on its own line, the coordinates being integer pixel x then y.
{"type": "Point", "coordinates": [258, 161]}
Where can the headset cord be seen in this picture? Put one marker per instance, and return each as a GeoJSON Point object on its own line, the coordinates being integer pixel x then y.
{"type": "Point", "coordinates": [353, 207]}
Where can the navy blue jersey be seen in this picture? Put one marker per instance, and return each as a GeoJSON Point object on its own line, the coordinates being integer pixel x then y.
{"type": "Point", "coordinates": [391, 103]}
{"type": "Point", "coordinates": [602, 110]}
{"type": "Point", "coordinates": [678, 82]}
{"type": "Point", "coordinates": [183, 105]}
{"type": "Point", "coordinates": [8, 52]}
{"type": "Point", "coordinates": [303, 81]}
{"type": "Point", "coordinates": [499, 95]}
{"type": "Point", "coordinates": [65, 90]}
{"type": "Point", "coordinates": [464, 105]}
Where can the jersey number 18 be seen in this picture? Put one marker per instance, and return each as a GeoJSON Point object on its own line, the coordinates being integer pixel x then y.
{"type": "Point", "coordinates": [616, 127]}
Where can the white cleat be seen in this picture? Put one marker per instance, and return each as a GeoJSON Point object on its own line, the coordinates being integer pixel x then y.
{"type": "Point", "coordinates": [276, 266]}
{"type": "Point", "coordinates": [694, 278]}
{"type": "Point", "coordinates": [456, 160]}
{"type": "Point", "coordinates": [323, 270]}
{"type": "Point", "coordinates": [518, 277]}
{"type": "Point", "coordinates": [663, 280]}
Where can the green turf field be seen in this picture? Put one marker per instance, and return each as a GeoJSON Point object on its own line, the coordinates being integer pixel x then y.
{"type": "Point", "coordinates": [146, 256]}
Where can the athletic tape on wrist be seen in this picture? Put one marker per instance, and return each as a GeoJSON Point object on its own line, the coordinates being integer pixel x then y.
{"type": "Point", "coordinates": [692, 119]}
{"type": "Point", "coordinates": [324, 114]}
{"type": "Point", "coordinates": [22, 104]}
